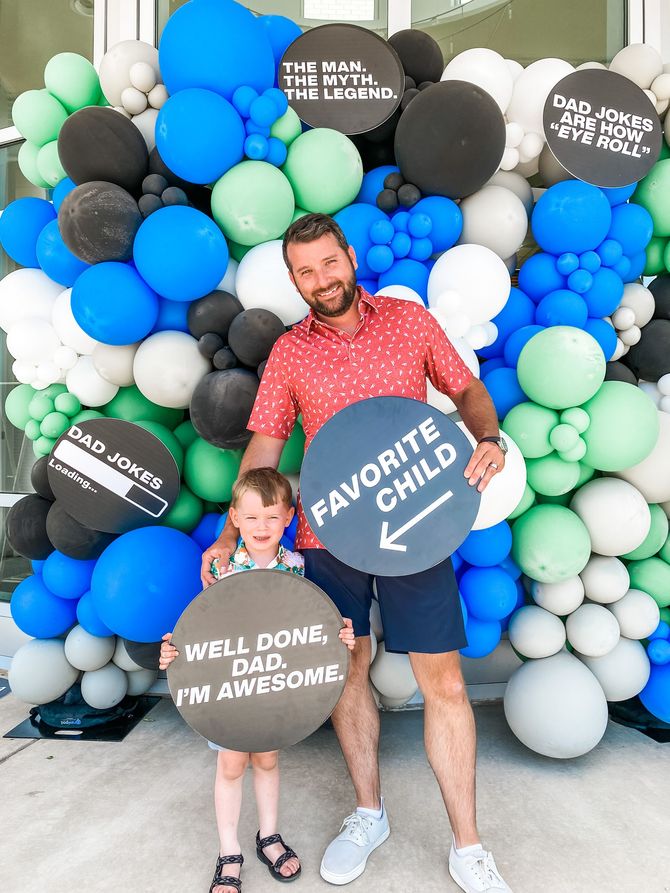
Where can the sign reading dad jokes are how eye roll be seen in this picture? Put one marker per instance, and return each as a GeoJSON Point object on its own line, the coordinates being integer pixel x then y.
{"type": "Point", "coordinates": [383, 488]}
{"type": "Point", "coordinates": [260, 663]}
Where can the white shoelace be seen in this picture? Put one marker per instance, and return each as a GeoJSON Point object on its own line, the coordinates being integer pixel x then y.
{"type": "Point", "coordinates": [484, 870]}
{"type": "Point", "coordinates": [357, 826]}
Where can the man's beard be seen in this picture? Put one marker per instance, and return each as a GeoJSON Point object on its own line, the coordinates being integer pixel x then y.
{"type": "Point", "coordinates": [347, 298]}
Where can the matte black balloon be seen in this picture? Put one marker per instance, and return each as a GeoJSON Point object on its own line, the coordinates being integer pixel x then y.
{"type": "Point", "coordinates": [407, 97]}
{"type": "Point", "coordinates": [394, 181]}
{"type": "Point", "coordinates": [154, 184]}
{"type": "Point", "coordinates": [374, 154]}
{"type": "Point", "coordinates": [419, 53]}
{"type": "Point", "coordinates": [26, 527]}
{"type": "Point", "coordinates": [224, 358]}
{"type": "Point", "coordinates": [221, 405]}
{"type": "Point", "coordinates": [209, 343]}
{"type": "Point", "coordinates": [261, 368]}
{"type": "Point", "coordinates": [408, 195]}
{"type": "Point", "coordinates": [99, 143]}
{"type": "Point", "coordinates": [660, 289]}
{"type": "Point", "coordinates": [173, 195]}
{"type": "Point", "coordinates": [149, 203]}
{"type": "Point", "coordinates": [199, 196]}
{"type": "Point", "coordinates": [387, 200]}
{"type": "Point", "coordinates": [616, 371]}
{"type": "Point", "coordinates": [650, 357]}
{"type": "Point", "coordinates": [385, 132]}
{"type": "Point", "coordinates": [39, 478]}
{"type": "Point", "coordinates": [98, 221]}
{"type": "Point", "coordinates": [252, 334]}
{"type": "Point", "coordinates": [74, 539]}
{"type": "Point", "coordinates": [450, 139]}
{"type": "Point", "coordinates": [213, 313]}
{"type": "Point", "coordinates": [410, 83]}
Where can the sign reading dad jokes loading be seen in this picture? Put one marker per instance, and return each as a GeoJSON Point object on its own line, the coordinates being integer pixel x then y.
{"type": "Point", "coordinates": [113, 476]}
{"type": "Point", "coordinates": [260, 663]}
{"type": "Point", "coordinates": [383, 488]}
{"type": "Point", "coordinates": [342, 76]}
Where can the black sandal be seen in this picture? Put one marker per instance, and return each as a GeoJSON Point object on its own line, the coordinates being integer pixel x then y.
{"type": "Point", "coordinates": [273, 867]}
{"type": "Point", "coordinates": [227, 880]}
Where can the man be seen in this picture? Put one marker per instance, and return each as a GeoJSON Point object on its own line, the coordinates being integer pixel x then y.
{"type": "Point", "coordinates": [352, 346]}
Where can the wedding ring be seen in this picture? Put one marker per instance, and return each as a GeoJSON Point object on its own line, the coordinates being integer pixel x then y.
{"type": "Point", "coordinates": [493, 465]}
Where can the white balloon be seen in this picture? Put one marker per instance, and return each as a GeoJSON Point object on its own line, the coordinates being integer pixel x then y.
{"type": "Point", "coordinates": [65, 357]}
{"type": "Point", "coordinates": [661, 106]}
{"type": "Point", "coordinates": [477, 337]}
{"type": "Point", "coordinates": [605, 579]}
{"type": "Point", "coordinates": [515, 68]}
{"type": "Point", "coordinates": [509, 160]}
{"type": "Point", "coordinates": [588, 65]}
{"type": "Point", "coordinates": [456, 325]}
{"type": "Point", "coordinates": [376, 625]}
{"type": "Point", "coordinates": [133, 101]}
{"type": "Point", "coordinates": [48, 371]}
{"type": "Point", "coordinates": [116, 65]}
{"type": "Point", "coordinates": [616, 515]}
{"type": "Point", "coordinates": [630, 336]}
{"type": "Point", "coordinates": [146, 124]}
{"type": "Point", "coordinates": [401, 291]}
{"type": "Point", "coordinates": [122, 659]}
{"type": "Point", "coordinates": [477, 274]}
{"type": "Point", "coordinates": [535, 632]}
{"type": "Point", "coordinates": [623, 672]}
{"type": "Point", "coordinates": [68, 329]}
{"type": "Point", "coordinates": [24, 371]}
{"type": "Point", "coordinates": [592, 630]}
{"type": "Point", "coordinates": [40, 672]}
{"type": "Point", "coordinates": [663, 384]}
{"type": "Point", "coordinates": [87, 652]}
{"type": "Point", "coordinates": [158, 96]}
{"type": "Point", "coordinates": [651, 476]}
{"type": "Point", "coordinates": [639, 62]}
{"type": "Point", "coordinates": [84, 381]}
{"type": "Point", "coordinates": [115, 362]}
{"type": "Point", "coordinates": [104, 688]}
{"type": "Point", "coordinates": [623, 318]}
{"type": "Point", "coordinates": [560, 598]}
{"type": "Point", "coordinates": [229, 277]}
{"type": "Point", "coordinates": [167, 368]}
{"type": "Point", "coordinates": [263, 281]}
{"type": "Point", "coordinates": [513, 135]}
{"type": "Point", "coordinates": [661, 87]}
{"type": "Point", "coordinates": [373, 645]}
{"type": "Point", "coordinates": [496, 218]}
{"type": "Point", "coordinates": [120, 109]}
{"type": "Point", "coordinates": [487, 69]}
{"type": "Point", "coordinates": [530, 92]}
{"type": "Point", "coordinates": [142, 76]}
{"type": "Point", "coordinates": [528, 168]}
{"type": "Point", "coordinates": [638, 614]}
{"type": "Point", "coordinates": [33, 340]}
{"type": "Point", "coordinates": [516, 184]}
{"type": "Point", "coordinates": [640, 300]}
{"type": "Point", "coordinates": [531, 146]}
{"type": "Point", "coordinates": [26, 294]}
{"type": "Point", "coordinates": [664, 404]}
{"type": "Point", "coordinates": [391, 674]}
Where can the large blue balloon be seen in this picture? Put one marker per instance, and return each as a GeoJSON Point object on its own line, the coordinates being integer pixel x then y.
{"type": "Point", "coordinates": [489, 593]}
{"type": "Point", "coordinates": [605, 295]}
{"type": "Point", "coordinates": [144, 580]}
{"type": "Point", "coordinates": [355, 221]}
{"type": "Point", "coordinates": [281, 32]}
{"type": "Point", "coordinates": [172, 316]}
{"type": "Point", "coordinates": [20, 225]}
{"type": "Point", "coordinates": [483, 637]}
{"type": "Point", "coordinates": [571, 216]}
{"type": "Point", "coordinates": [407, 272]}
{"type": "Point", "coordinates": [88, 618]}
{"type": "Point", "coordinates": [56, 259]}
{"type": "Point", "coordinates": [40, 613]}
{"type": "Point", "coordinates": [488, 547]}
{"type": "Point", "coordinates": [373, 183]}
{"type": "Point", "coordinates": [637, 264]}
{"type": "Point", "coordinates": [656, 694]}
{"type": "Point", "coordinates": [519, 311]}
{"type": "Point", "coordinates": [562, 308]}
{"type": "Point", "coordinates": [632, 227]}
{"type": "Point", "coordinates": [181, 253]}
{"type": "Point", "coordinates": [199, 135]}
{"type": "Point", "coordinates": [605, 335]}
{"type": "Point", "coordinates": [446, 218]}
{"type": "Point", "coordinates": [218, 45]}
{"type": "Point", "coordinates": [538, 276]}
{"type": "Point", "coordinates": [113, 304]}
{"type": "Point", "coordinates": [504, 389]}
{"type": "Point", "coordinates": [67, 577]}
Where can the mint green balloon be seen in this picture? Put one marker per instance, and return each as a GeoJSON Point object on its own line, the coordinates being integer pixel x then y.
{"type": "Point", "coordinates": [651, 575]}
{"type": "Point", "coordinates": [16, 405]}
{"type": "Point", "coordinates": [210, 472]}
{"type": "Point", "coordinates": [561, 367]}
{"type": "Point", "coordinates": [32, 429]}
{"type": "Point", "coordinates": [325, 170]}
{"type": "Point", "coordinates": [27, 159]}
{"type": "Point", "coordinates": [68, 404]}
{"type": "Point", "coordinates": [560, 499]}
{"type": "Point", "coordinates": [624, 427]}
{"type": "Point", "coordinates": [252, 203]}
{"type": "Point", "coordinates": [585, 474]}
{"type": "Point", "coordinates": [167, 438]}
{"type": "Point", "coordinates": [287, 128]}
{"type": "Point", "coordinates": [551, 475]}
{"type": "Point", "coordinates": [655, 539]}
{"type": "Point", "coordinates": [43, 446]}
{"type": "Point", "coordinates": [665, 615]}
{"type": "Point", "coordinates": [238, 251]}
{"type": "Point", "coordinates": [86, 415]}
{"type": "Point", "coordinates": [577, 418]}
{"type": "Point", "coordinates": [131, 405]}
{"type": "Point", "coordinates": [550, 543]}
{"type": "Point", "coordinates": [652, 193]}
{"type": "Point", "coordinates": [564, 437]}
{"type": "Point", "coordinates": [527, 500]}
{"type": "Point", "coordinates": [54, 424]}
{"type": "Point", "coordinates": [40, 406]}
{"type": "Point", "coordinates": [186, 433]}
{"type": "Point", "coordinates": [655, 251]}
{"type": "Point", "coordinates": [72, 80]}
{"type": "Point", "coordinates": [53, 390]}
{"type": "Point", "coordinates": [38, 116]}
{"type": "Point", "coordinates": [186, 513]}
{"type": "Point", "coordinates": [298, 213]}
{"type": "Point", "coordinates": [530, 425]}
{"type": "Point", "coordinates": [48, 164]}
{"type": "Point", "coordinates": [664, 552]}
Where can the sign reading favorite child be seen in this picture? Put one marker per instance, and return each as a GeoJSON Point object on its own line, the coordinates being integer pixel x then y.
{"type": "Point", "coordinates": [260, 663]}
{"type": "Point", "coordinates": [383, 488]}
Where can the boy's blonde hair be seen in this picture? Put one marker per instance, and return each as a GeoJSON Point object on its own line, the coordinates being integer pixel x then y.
{"type": "Point", "coordinates": [270, 485]}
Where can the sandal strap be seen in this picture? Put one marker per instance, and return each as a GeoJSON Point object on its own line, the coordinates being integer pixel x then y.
{"type": "Point", "coordinates": [262, 842]}
{"type": "Point", "coordinates": [289, 854]}
{"type": "Point", "coordinates": [226, 881]}
{"type": "Point", "coordinates": [229, 860]}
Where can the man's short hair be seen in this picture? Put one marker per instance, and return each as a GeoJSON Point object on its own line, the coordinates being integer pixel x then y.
{"type": "Point", "coordinates": [312, 227]}
{"type": "Point", "coordinates": [271, 486]}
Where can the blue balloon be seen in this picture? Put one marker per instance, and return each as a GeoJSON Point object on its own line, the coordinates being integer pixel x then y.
{"type": "Point", "coordinates": [401, 245]}
{"type": "Point", "coordinates": [277, 152]}
{"type": "Point", "coordinates": [590, 260]}
{"type": "Point", "coordinates": [488, 547]}
{"type": "Point", "coordinates": [637, 263]}
{"type": "Point", "coordinates": [622, 267]}
{"type": "Point", "coordinates": [287, 543]}
{"type": "Point", "coordinates": [113, 304]}
{"type": "Point", "coordinates": [662, 631]}
{"type": "Point", "coordinates": [488, 367]}
{"type": "Point", "coordinates": [199, 135]}
{"type": "Point", "coordinates": [571, 216]}
{"type": "Point", "coordinates": [659, 652]}
{"type": "Point", "coordinates": [60, 191]}
{"type": "Point", "coordinates": [656, 694]}
{"type": "Point", "coordinates": [510, 567]}
{"type": "Point", "coordinates": [421, 249]}
{"type": "Point", "coordinates": [205, 533]}
{"type": "Point", "coordinates": [172, 316]}
{"type": "Point", "coordinates": [56, 259]}
{"type": "Point", "coordinates": [632, 227]}
{"type": "Point", "coordinates": [20, 225]}
{"type": "Point", "coordinates": [221, 523]}
{"type": "Point", "coordinates": [181, 253]}
{"type": "Point", "coordinates": [581, 280]}
{"type": "Point", "coordinates": [407, 272]}
{"type": "Point", "coordinates": [504, 389]}
{"type": "Point", "coordinates": [370, 285]}
{"type": "Point", "coordinates": [379, 258]}
{"type": "Point", "coordinates": [137, 597]}
{"type": "Point", "coordinates": [88, 617]}
{"type": "Point", "coordinates": [446, 218]}
{"type": "Point", "coordinates": [605, 335]}
{"type": "Point", "coordinates": [562, 308]}
{"type": "Point", "coordinates": [292, 528]}
{"type": "Point", "coordinates": [279, 99]}
{"type": "Point", "coordinates": [517, 341]}
{"type": "Point", "coordinates": [382, 232]}
{"type": "Point", "coordinates": [605, 295]}
{"type": "Point", "coordinates": [489, 593]}
{"type": "Point", "coordinates": [483, 637]}
{"type": "Point", "coordinates": [373, 183]}
{"type": "Point", "coordinates": [538, 276]}
{"type": "Point", "coordinates": [456, 562]}
{"type": "Point", "coordinates": [567, 263]}
{"type": "Point", "coordinates": [37, 565]}
{"type": "Point", "coordinates": [67, 577]}
{"type": "Point", "coordinates": [217, 45]}
{"type": "Point", "coordinates": [281, 32]}
{"type": "Point", "coordinates": [356, 221]}
{"type": "Point", "coordinates": [610, 252]}
{"type": "Point", "coordinates": [615, 195]}
{"type": "Point", "coordinates": [40, 613]}
{"type": "Point", "coordinates": [519, 311]}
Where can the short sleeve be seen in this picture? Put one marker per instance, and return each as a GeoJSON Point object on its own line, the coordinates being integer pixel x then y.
{"type": "Point", "coordinates": [444, 366]}
{"type": "Point", "coordinates": [275, 411]}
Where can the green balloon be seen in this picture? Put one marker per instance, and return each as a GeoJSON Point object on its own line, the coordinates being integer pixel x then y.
{"type": "Point", "coordinates": [527, 500]}
{"type": "Point", "coordinates": [67, 403]}
{"type": "Point", "coordinates": [33, 429]}
{"type": "Point", "coordinates": [325, 170]}
{"type": "Point", "coordinates": [298, 213]}
{"type": "Point", "coordinates": [551, 475]}
{"type": "Point", "coordinates": [560, 499]}
{"type": "Point", "coordinates": [665, 150]}
{"type": "Point", "coordinates": [237, 251]}
{"type": "Point", "coordinates": [530, 425]}
{"type": "Point", "coordinates": [54, 424]}
{"type": "Point", "coordinates": [550, 543]}
{"type": "Point", "coordinates": [40, 406]}
{"type": "Point", "coordinates": [293, 452]}
{"type": "Point", "coordinates": [53, 390]}
{"type": "Point", "coordinates": [664, 552]}
{"type": "Point", "coordinates": [652, 193]}
{"type": "Point", "coordinates": [48, 164]}
{"type": "Point", "coordinates": [86, 415]}
{"type": "Point", "coordinates": [655, 539]}
{"type": "Point", "coordinates": [72, 80]}
{"type": "Point", "coordinates": [16, 405]}
{"type": "Point", "coordinates": [131, 405]}
{"type": "Point", "coordinates": [624, 427]}
{"type": "Point", "coordinates": [186, 433]}
{"type": "Point", "coordinates": [564, 438]}
{"type": "Point", "coordinates": [167, 438]}
{"type": "Point", "coordinates": [665, 615]}
{"type": "Point", "coordinates": [27, 159]}
{"type": "Point", "coordinates": [287, 128]}
{"type": "Point", "coordinates": [585, 474]}
{"type": "Point", "coordinates": [253, 203]}
{"type": "Point", "coordinates": [38, 116]}
{"type": "Point", "coordinates": [186, 513]}
{"type": "Point", "coordinates": [655, 257]}
{"type": "Point", "coordinates": [577, 418]}
{"type": "Point", "coordinates": [43, 446]}
{"type": "Point", "coordinates": [211, 472]}
{"type": "Point", "coordinates": [561, 366]}
{"type": "Point", "coordinates": [651, 575]}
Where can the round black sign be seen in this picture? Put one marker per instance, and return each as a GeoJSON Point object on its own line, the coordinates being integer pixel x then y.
{"type": "Point", "coordinates": [602, 128]}
{"type": "Point", "coordinates": [383, 489]}
{"type": "Point", "coordinates": [342, 76]}
{"type": "Point", "coordinates": [260, 663]}
{"type": "Point", "coordinates": [113, 476]}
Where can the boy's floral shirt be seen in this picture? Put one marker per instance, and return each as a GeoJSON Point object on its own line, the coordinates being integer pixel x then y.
{"type": "Point", "coordinates": [240, 560]}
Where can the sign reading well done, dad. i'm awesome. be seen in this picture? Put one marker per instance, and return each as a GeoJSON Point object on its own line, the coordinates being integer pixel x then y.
{"type": "Point", "coordinates": [383, 488]}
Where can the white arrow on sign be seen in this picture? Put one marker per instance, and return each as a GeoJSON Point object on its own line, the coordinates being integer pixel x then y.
{"type": "Point", "coordinates": [389, 542]}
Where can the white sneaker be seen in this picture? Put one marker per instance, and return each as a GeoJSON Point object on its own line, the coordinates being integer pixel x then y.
{"type": "Point", "coordinates": [345, 857]}
{"type": "Point", "coordinates": [476, 871]}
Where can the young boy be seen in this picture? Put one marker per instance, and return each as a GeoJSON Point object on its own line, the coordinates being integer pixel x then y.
{"type": "Point", "coordinates": [261, 509]}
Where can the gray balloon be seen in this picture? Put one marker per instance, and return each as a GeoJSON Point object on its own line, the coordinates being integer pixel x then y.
{"type": "Point", "coordinates": [104, 688]}
{"type": "Point", "coordinates": [87, 652]}
{"type": "Point", "coordinates": [551, 170]}
{"type": "Point", "coordinates": [141, 681]}
{"type": "Point", "coordinates": [40, 672]}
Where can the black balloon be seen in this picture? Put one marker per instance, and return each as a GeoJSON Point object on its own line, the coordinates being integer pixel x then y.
{"type": "Point", "coordinates": [221, 405]}
{"type": "Point", "coordinates": [261, 369]}
{"type": "Point", "coordinates": [72, 538]}
{"type": "Point", "coordinates": [252, 334]}
{"type": "Point", "coordinates": [419, 53]}
{"type": "Point", "coordinates": [199, 196]}
{"type": "Point", "coordinates": [98, 222]}
{"type": "Point", "coordinates": [39, 478]}
{"type": "Point", "coordinates": [387, 200]}
{"type": "Point", "coordinates": [26, 527]}
{"type": "Point", "coordinates": [224, 358]}
{"type": "Point", "coordinates": [660, 289]}
{"type": "Point", "coordinates": [149, 203]}
{"type": "Point", "coordinates": [650, 357]}
{"type": "Point", "coordinates": [616, 371]}
{"type": "Point", "coordinates": [209, 343]}
{"type": "Point", "coordinates": [99, 143]}
{"type": "Point", "coordinates": [213, 313]}
{"type": "Point", "coordinates": [154, 184]}
{"type": "Point", "coordinates": [450, 139]}
{"type": "Point", "coordinates": [374, 154]}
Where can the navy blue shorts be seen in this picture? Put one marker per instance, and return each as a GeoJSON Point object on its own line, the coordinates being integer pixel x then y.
{"type": "Point", "coordinates": [420, 612]}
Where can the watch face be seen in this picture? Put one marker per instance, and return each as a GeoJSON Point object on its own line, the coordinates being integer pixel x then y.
{"type": "Point", "coordinates": [502, 443]}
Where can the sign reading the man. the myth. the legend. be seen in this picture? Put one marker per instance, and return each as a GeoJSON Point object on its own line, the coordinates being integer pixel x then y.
{"type": "Point", "coordinates": [113, 476]}
{"type": "Point", "coordinates": [342, 76]}
{"type": "Point", "coordinates": [383, 488]}
{"type": "Point", "coordinates": [602, 128]}
{"type": "Point", "coordinates": [260, 663]}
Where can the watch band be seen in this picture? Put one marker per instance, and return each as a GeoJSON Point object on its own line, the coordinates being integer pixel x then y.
{"type": "Point", "coordinates": [495, 440]}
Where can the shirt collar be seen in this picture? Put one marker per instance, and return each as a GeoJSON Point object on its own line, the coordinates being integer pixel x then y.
{"type": "Point", "coordinates": [364, 296]}
{"type": "Point", "coordinates": [242, 558]}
